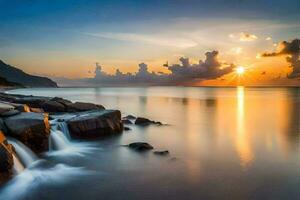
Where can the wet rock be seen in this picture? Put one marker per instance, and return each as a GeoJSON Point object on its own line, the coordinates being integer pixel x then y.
{"type": "Point", "coordinates": [32, 129]}
{"type": "Point", "coordinates": [37, 110]}
{"type": "Point", "coordinates": [126, 121]}
{"type": "Point", "coordinates": [10, 113]}
{"type": "Point", "coordinates": [94, 124]}
{"type": "Point", "coordinates": [64, 102]}
{"type": "Point", "coordinates": [140, 146]}
{"type": "Point", "coordinates": [129, 117]}
{"type": "Point", "coordinates": [32, 101]}
{"type": "Point", "coordinates": [127, 128]}
{"type": "Point", "coordinates": [141, 121]}
{"type": "Point", "coordinates": [53, 106]}
{"type": "Point", "coordinates": [6, 158]}
{"type": "Point", "coordinates": [162, 153]}
{"type": "Point", "coordinates": [4, 107]}
{"type": "Point", "coordinates": [81, 106]}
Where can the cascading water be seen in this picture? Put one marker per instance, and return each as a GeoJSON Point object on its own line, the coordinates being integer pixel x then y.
{"type": "Point", "coordinates": [18, 166]}
{"type": "Point", "coordinates": [23, 154]}
{"type": "Point", "coordinates": [59, 136]}
{"type": "Point", "coordinates": [63, 127]}
{"type": "Point", "coordinates": [60, 142]}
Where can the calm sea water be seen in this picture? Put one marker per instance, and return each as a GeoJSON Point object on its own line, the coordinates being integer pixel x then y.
{"type": "Point", "coordinates": [224, 143]}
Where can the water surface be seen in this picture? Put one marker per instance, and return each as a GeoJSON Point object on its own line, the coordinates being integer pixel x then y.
{"type": "Point", "coordinates": [224, 143]}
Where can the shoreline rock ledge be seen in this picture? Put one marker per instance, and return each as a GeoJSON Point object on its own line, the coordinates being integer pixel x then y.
{"type": "Point", "coordinates": [94, 124]}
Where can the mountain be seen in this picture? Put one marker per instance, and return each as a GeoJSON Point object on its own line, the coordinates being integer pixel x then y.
{"type": "Point", "coordinates": [15, 75]}
{"type": "Point", "coordinates": [6, 83]}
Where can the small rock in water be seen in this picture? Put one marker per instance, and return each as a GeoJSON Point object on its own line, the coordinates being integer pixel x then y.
{"type": "Point", "coordinates": [144, 121]}
{"type": "Point", "coordinates": [140, 146]}
{"type": "Point", "coordinates": [129, 117]}
{"type": "Point", "coordinates": [126, 121]}
{"type": "Point", "coordinates": [162, 153]}
{"type": "Point", "coordinates": [126, 128]}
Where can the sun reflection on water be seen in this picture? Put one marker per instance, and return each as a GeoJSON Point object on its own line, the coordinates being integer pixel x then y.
{"type": "Point", "coordinates": [242, 141]}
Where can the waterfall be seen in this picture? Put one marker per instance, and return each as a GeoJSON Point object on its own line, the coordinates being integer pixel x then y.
{"type": "Point", "coordinates": [23, 153]}
{"type": "Point", "coordinates": [59, 136]}
{"type": "Point", "coordinates": [63, 127]}
{"type": "Point", "coordinates": [18, 166]}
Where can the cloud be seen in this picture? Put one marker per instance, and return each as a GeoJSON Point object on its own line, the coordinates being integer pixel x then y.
{"type": "Point", "coordinates": [247, 37]}
{"type": "Point", "coordinates": [243, 37]}
{"type": "Point", "coordinates": [180, 74]}
{"type": "Point", "coordinates": [149, 39]}
{"type": "Point", "coordinates": [292, 51]}
{"type": "Point", "coordinates": [268, 38]}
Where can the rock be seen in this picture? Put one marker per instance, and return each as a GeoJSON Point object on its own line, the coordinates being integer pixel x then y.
{"type": "Point", "coordinates": [32, 129]}
{"type": "Point", "coordinates": [129, 117]}
{"type": "Point", "coordinates": [65, 102]}
{"type": "Point", "coordinates": [37, 110]}
{"type": "Point", "coordinates": [53, 106]}
{"type": "Point", "coordinates": [144, 121]}
{"type": "Point", "coordinates": [6, 156]}
{"type": "Point", "coordinates": [32, 101]}
{"type": "Point", "coordinates": [5, 107]}
{"type": "Point", "coordinates": [162, 153]}
{"type": "Point", "coordinates": [127, 128]}
{"type": "Point", "coordinates": [10, 113]}
{"type": "Point", "coordinates": [126, 121]}
{"type": "Point", "coordinates": [93, 124]}
{"type": "Point", "coordinates": [81, 106]}
{"type": "Point", "coordinates": [140, 146]}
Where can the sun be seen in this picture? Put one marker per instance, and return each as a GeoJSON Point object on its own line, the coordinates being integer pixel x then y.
{"type": "Point", "coordinates": [240, 70]}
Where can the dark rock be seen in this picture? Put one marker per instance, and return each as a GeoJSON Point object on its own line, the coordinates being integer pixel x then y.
{"type": "Point", "coordinates": [127, 128]}
{"type": "Point", "coordinates": [144, 122]}
{"type": "Point", "coordinates": [93, 124]}
{"type": "Point", "coordinates": [65, 102]}
{"type": "Point", "coordinates": [32, 129]}
{"type": "Point", "coordinates": [126, 121]}
{"type": "Point", "coordinates": [81, 106]}
{"type": "Point", "coordinates": [4, 107]}
{"type": "Point", "coordinates": [140, 146]}
{"type": "Point", "coordinates": [10, 113]}
{"type": "Point", "coordinates": [129, 117]}
{"type": "Point", "coordinates": [31, 101]}
{"type": "Point", "coordinates": [53, 106]}
{"type": "Point", "coordinates": [162, 153]}
{"type": "Point", "coordinates": [6, 156]}
{"type": "Point", "coordinates": [37, 110]}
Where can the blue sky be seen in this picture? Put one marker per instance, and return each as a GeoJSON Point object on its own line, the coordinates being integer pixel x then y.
{"type": "Point", "coordinates": [46, 36]}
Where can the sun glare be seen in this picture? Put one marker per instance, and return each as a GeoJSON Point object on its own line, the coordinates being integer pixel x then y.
{"type": "Point", "coordinates": [240, 70]}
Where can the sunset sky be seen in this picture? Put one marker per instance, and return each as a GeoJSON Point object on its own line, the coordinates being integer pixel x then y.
{"type": "Point", "coordinates": [66, 38]}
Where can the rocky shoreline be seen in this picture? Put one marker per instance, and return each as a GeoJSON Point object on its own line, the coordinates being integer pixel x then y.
{"type": "Point", "coordinates": [28, 119]}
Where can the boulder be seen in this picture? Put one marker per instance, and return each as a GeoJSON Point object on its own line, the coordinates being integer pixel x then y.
{"type": "Point", "coordinates": [6, 157]}
{"type": "Point", "coordinates": [61, 100]}
{"type": "Point", "coordinates": [53, 106]}
{"type": "Point", "coordinates": [81, 106]}
{"type": "Point", "coordinates": [129, 117]}
{"type": "Point", "coordinates": [31, 101]}
{"type": "Point", "coordinates": [4, 107]}
{"type": "Point", "coordinates": [10, 113]}
{"type": "Point", "coordinates": [93, 124]}
{"type": "Point", "coordinates": [141, 121]}
{"type": "Point", "coordinates": [32, 129]}
{"type": "Point", "coordinates": [126, 121]}
{"type": "Point", "coordinates": [140, 146]}
{"type": "Point", "coordinates": [162, 153]}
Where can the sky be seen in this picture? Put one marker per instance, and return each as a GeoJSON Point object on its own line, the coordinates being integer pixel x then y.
{"type": "Point", "coordinates": [65, 39]}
